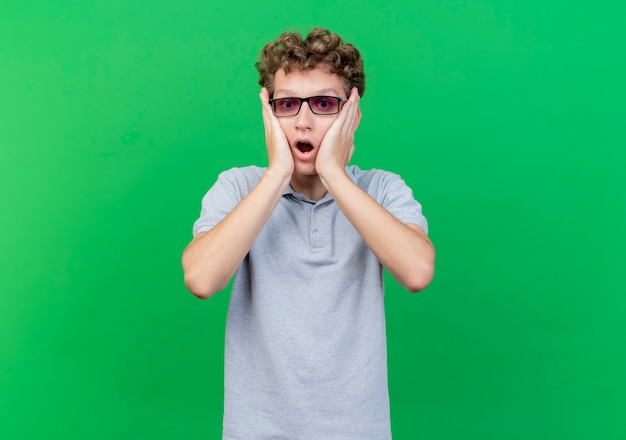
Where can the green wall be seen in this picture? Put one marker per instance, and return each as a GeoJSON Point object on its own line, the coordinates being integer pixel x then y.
{"type": "Point", "coordinates": [506, 117]}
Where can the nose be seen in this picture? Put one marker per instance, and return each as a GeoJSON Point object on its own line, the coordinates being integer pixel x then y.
{"type": "Point", "coordinates": [305, 117]}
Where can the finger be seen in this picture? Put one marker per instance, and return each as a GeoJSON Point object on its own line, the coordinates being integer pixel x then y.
{"type": "Point", "coordinates": [354, 100]}
{"type": "Point", "coordinates": [269, 119]}
{"type": "Point", "coordinates": [273, 120]}
{"type": "Point", "coordinates": [264, 111]}
{"type": "Point", "coordinates": [351, 112]}
{"type": "Point", "coordinates": [265, 95]}
{"type": "Point", "coordinates": [354, 93]}
{"type": "Point", "coordinates": [343, 121]}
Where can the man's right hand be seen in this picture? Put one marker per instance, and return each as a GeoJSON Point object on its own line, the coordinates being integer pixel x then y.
{"type": "Point", "coordinates": [280, 159]}
{"type": "Point", "coordinates": [212, 257]}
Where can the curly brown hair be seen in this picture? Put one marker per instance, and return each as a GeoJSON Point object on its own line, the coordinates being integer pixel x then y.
{"type": "Point", "coordinates": [320, 48]}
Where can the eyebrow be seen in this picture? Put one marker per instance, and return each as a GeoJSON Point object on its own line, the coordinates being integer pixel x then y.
{"type": "Point", "coordinates": [289, 92]}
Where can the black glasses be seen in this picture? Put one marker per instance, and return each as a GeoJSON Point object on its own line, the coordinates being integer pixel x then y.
{"type": "Point", "coordinates": [320, 105]}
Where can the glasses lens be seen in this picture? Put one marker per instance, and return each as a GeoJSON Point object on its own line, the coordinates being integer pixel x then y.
{"type": "Point", "coordinates": [286, 106]}
{"type": "Point", "coordinates": [324, 105]}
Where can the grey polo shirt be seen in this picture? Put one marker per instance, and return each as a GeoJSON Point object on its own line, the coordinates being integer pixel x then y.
{"type": "Point", "coordinates": [306, 353]}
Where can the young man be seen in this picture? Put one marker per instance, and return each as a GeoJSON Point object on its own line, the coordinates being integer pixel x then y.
{"type": "Point", "coordinates": [307, 237]}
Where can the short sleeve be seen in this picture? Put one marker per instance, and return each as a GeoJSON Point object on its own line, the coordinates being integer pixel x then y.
{"type": "Point", "coordinates": [392, 192]}
{"type": "Point", "coordinates": [229, 189]}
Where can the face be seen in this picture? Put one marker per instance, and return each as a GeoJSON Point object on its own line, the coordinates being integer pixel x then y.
{"type": "Point", "coordinates": [306, 130]}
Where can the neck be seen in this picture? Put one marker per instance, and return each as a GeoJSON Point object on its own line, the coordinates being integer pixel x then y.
{"type": "Point", "coordinates": [309, 186]}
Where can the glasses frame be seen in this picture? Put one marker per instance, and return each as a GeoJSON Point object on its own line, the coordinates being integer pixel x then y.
{"type": "Point", "coordinates": [303, 100]}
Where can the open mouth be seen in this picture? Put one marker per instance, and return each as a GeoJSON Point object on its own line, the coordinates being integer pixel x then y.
{"type": "Point", "coordinates": [304, 147]}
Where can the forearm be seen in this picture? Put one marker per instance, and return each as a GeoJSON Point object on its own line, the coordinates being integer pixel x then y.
{"type": "Point", "coordinates": [212, 258]}
{"type": "Point", "coordinates": [404, 250]}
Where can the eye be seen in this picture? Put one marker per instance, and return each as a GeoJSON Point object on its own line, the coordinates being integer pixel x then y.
{"type": "Point", "coordinates": [325, 104]}
{"type": "Point", "coordinates": [287, 103]}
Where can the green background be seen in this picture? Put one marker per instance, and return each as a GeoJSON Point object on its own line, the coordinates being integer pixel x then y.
{"type": "Point", "coordinates": [506, 117]}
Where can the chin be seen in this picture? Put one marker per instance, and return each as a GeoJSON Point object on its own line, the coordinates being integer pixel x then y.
{"type": "Point", "coordinates": [305, 170]}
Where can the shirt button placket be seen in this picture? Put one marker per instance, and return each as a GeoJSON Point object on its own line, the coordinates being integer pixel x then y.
{"type": "Point", "coordinates": [315, 234]}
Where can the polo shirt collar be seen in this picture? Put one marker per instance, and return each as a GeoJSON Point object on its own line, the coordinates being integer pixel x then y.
{"type": "Point", "coordinates": [289, 191]}
{"type": "Point", "coordinates": [297, 196]}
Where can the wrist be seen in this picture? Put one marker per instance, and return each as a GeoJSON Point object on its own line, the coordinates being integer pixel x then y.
{"type": "Point", "coordinates": [333, 177]}
{"type": "Point", "coordinates": [278, 176]}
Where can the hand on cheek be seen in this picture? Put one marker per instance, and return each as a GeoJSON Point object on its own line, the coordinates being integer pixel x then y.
{"type": "Point", "coordinates": [278, 152]}
{"type": "Point", "coordinates": [337, 145]}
